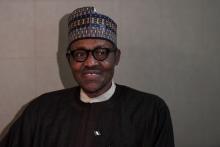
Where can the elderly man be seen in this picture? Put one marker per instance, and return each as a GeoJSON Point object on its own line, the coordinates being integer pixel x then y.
{"type": "Point", "coordinates": [98, 112]}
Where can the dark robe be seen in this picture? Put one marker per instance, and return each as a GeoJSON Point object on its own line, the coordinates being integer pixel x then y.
{"type": "Point", "coordinates": [130, 118]}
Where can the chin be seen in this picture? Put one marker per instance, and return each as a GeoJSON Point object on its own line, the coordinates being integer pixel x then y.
{"type": "Point", "coordinates": [90, 87]}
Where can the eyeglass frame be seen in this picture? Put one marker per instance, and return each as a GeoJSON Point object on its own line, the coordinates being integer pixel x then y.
{"type": "Point", "coordinates": [70, 53]}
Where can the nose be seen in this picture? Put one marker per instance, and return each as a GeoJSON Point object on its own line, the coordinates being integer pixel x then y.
{"type": "Point", "coordinates": [90, 61]}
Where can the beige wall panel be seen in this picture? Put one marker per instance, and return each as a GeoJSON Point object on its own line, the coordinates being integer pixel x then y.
{"type": "Point", "coordinates": [17, 87]}
{"type": "Point", "coordinates": [139, 34]}
{"type": "Point", "coordinates": [47, 75]}
{"type": "Point", "coordinates": [16, 31]}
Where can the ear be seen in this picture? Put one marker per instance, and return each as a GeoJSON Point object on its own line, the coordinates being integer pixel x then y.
{"type": "Point", "coordinates": [117, 56]}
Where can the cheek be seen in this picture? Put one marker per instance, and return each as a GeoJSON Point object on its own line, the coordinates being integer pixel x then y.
{"type": "Point", "coordinates": [108, 70]}
{"type": "Point", "coordinates": [108, 66]}
{"type": "Point", "coordinates": [76, 68]}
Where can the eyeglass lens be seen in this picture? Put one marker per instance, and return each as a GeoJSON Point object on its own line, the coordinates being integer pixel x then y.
{"type": "Point", "coordinates": [81, 55]}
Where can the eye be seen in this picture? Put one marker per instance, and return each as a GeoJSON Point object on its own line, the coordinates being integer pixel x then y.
{"type": "Point", "coordinates": [100, 52]}
{"type": "Point", "coordinates": [79, 53]}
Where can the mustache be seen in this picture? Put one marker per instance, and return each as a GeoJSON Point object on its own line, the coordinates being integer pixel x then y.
{"type": "Point", "coordinates": [94, 70]}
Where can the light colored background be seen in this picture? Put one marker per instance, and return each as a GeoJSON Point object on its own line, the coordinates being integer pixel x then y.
{"type": "Point", "coordinates": [169, 47]}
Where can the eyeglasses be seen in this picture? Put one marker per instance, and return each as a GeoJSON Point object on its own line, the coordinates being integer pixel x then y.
{"type": "Point", "coordinates": [81, 55]}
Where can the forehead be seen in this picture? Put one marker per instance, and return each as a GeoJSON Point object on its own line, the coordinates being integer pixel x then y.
{"type": "Point", "coordinates": [91, 43]}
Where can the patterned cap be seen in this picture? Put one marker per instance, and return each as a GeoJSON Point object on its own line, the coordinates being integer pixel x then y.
{"type": "Point", "coordinates": [85, 23]}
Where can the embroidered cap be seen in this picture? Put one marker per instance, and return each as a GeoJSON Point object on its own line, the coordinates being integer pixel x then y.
{"type": "Point", "coordinates": [85, 23]}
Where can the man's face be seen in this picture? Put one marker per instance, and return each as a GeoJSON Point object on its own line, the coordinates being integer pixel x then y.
{"type": "Point", "coordinates": [94, 76]}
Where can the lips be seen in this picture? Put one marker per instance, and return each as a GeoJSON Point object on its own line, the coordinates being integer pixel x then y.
{"type": "Point", "coordinates": [91, 74]}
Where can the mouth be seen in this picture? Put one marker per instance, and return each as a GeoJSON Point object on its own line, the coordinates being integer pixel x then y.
{"type": "Point", "coordinates": [91, 74]}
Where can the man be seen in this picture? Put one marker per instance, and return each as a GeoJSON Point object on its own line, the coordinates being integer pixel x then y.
{"type": "Point", "coordinates": [98, 112]}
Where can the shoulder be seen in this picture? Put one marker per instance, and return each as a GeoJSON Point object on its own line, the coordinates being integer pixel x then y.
{"type": "Point", "coordinates": [56, 95]}
{"type": "Point", "coordinates": [144, 108]}
{"type": "Point", "coordinates": [59, 93]}
{"type": "Point", "coordinates": [135, 96]}
{"type": "Point", "coordinates": [52, 100]}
